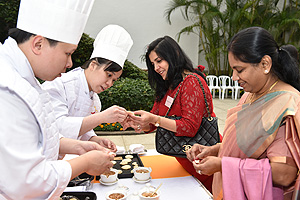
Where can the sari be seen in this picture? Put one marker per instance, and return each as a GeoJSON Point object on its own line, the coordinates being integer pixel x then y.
{"type": "Point", "coordinates": [250, 130]}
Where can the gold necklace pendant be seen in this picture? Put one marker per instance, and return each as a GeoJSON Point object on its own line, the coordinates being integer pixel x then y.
{"type": "Point", "coordinates": [265, 92]}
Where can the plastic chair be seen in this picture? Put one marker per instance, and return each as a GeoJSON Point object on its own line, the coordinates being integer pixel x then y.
{"type": "Point", "coordinates": [237, 89]}
{"type": "Point", "coordinates": [225, 85]}
{"type": "Point", "coordinates": [213, 84]}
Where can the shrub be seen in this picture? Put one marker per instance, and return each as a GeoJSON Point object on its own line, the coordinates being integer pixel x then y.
{"type": "Point", "coordinates": [132, 94]}
{"type": "Point", "coordinates": [83, 51]}
{"type": "Point", "coordinates": [8, 17]}
{"type": "Point", "coordinates": [132, 71]}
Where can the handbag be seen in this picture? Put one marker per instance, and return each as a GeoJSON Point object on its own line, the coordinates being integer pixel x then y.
{"type": "Point", "coordinates": [208, 134]}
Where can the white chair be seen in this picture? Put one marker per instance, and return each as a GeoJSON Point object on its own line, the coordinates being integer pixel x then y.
{"type": "Point", "coordinates": [213, 84]}
{"type": "Point", "coordinates": [236, 88]}
{"type": "Point", "coordinates": [225, 85]}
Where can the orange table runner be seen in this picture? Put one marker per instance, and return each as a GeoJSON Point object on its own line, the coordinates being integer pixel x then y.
{"type": "Point", "coordinates": [164, 166]}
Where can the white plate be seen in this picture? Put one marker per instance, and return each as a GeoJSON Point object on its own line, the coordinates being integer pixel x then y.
{"type": "Point", "coordinates": [140, 181]}
{"type": "Point", "coordinates": [140, 153]}
{"type": "Point", "coordinates": [108, 183]}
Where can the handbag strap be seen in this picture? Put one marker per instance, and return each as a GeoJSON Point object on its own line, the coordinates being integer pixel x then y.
{"type": "Point", "coordinates": [206, 104]}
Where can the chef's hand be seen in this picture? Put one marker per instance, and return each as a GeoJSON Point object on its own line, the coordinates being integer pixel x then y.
{"type": "Point", "coordinates": [104, 143]}
{"type": "Point", "coordinates": [114, 114]}
{"type": "Point", "coordinates": [93, 162]}
{"type": "Point", "coordinates": [78, 147]}
{"type": "Point", "coordinates": [85, 146]}
{"type": "Point", "coordinates": [208, 165]}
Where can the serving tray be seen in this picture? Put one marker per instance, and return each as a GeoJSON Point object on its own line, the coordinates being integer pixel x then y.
{"type": "Point", "coordinates": [78, 195]}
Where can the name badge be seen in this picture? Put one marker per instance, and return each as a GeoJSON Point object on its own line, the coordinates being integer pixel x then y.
{"type": "Point", "coordinates": [169, 101]}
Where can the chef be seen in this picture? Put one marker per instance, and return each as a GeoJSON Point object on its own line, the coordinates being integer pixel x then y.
{"type": "Point", "coordinates": [74, 95]}
{"type": "Point", "coordinates": [47, 33]}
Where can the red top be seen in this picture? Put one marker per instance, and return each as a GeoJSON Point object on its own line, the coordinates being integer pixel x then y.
{"type": "Point", "coordinates": [189, 104]}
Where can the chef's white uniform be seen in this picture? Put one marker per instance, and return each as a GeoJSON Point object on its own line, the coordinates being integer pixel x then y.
{"type": "Point", "coordinates": [29, 137]}
{"type": "Point", "coordinates": [72, 101]}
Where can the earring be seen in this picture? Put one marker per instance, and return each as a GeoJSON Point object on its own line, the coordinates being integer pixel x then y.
{"type": "Point", "coordinates": [266, 71]}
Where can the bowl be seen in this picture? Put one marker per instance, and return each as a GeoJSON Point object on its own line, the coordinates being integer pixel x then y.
{"type": "Point", "coordinates": [110, 177]}
{"type": "Point", "coordinates": [117, 193]}
{"type": "Point", "coordinates": [142, 173]}
{"type": "Point", "coordinates": [149, 192]}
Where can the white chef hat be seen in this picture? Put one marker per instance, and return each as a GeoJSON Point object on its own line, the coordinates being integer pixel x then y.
{"type": "Point", "coordinates": [60, 20]}
{"type": "Point", "coordinates": [113, 43]}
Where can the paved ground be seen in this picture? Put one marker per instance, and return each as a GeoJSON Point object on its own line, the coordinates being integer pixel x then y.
{"type": "Point", "coordinates": [148, 140]}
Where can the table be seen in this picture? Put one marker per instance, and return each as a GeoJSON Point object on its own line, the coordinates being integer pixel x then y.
{"type": "Point", "coordinates": [176, 182]}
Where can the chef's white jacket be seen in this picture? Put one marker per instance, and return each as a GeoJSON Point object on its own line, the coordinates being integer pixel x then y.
{"type": "Point", "coordinates": [72, 101]}
{"type": "Point", "coordinates": [29, 137]}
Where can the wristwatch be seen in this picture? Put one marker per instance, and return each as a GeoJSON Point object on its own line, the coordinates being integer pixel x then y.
{"type": "Point", "coordinates": [157, 123]}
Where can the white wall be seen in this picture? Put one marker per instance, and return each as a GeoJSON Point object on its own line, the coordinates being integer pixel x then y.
{"type": "Point", "coordinates": [145, 21]}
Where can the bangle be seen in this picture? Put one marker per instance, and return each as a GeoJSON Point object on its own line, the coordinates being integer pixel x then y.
{"type": "Point", "coordinates": [157, 123]}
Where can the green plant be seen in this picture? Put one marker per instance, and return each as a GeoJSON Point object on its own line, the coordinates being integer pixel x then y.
{"type": "Point", "coordinates": [8, 17]}
{"type": "Point", "coordinates": [132, 94]}
{"type": "Point", "coordinates": [132, 71]}
{"type": "Point", "coordinates": [83, 51]}
{"type": "Point", "coordinates": [215, 22]}
{"type": "Point", "coordinates": [109, 127]}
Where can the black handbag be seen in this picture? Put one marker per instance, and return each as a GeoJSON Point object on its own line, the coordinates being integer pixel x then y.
{"type": "Point", "coordinates": [208, 134]}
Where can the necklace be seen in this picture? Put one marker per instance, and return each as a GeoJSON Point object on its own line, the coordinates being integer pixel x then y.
{"type": "Point", "coordinates": [252, 96]}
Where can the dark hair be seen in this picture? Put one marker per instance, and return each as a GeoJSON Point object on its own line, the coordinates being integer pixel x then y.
{"type": "Point", "coordinates": [292, 51]}
{"type": "Point", "coordinates": [169, 50]}
{"type": "Point", "coordinates": [250, 45]}
{"type": "Point", "coordinates": [22, 36]}
{"type": "Point", "coordinates": [109, 65]}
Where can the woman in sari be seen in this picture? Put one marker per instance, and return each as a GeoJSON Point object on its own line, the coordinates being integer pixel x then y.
{"type": "Point", "coordinates": [259, 154]}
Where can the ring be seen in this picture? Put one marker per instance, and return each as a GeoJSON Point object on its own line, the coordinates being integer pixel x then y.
{"type": "Point", "coordinates": [139, 127]}
{"type": "Point", "coordinates": [199, 171]}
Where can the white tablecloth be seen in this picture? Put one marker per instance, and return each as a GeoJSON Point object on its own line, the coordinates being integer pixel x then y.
{"type": "Point", "coordinates": [179, 188]}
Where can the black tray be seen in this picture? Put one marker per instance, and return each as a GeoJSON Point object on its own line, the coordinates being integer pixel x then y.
{"type": "Point", "coordinates": [126, 173]}
{"type": "Point", "coordinates": [79, 195]}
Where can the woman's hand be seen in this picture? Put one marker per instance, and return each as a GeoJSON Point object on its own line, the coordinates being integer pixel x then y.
{"type": "Point", "coordinates": [198, 152]}
{"type": "Point", "coordinates": [104, 142]}
{"type": "Point", "coordinates": [139, 120]}
{"type": "Point", "coordinates": [208, 165]}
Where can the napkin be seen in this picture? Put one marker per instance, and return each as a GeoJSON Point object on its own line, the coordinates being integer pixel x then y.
{"type": "Point", "coordinates": [136, 148]}
{"type": "Point", "coordinates": [120, 150]}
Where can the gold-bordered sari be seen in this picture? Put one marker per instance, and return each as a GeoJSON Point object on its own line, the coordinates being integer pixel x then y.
{"type": "Point", "coordinates": [251, 128]}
